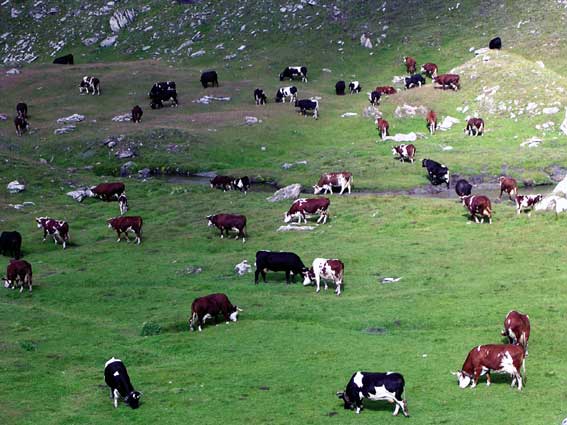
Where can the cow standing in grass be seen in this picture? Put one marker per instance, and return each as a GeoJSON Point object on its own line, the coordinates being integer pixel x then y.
{"type": "Point", "coordinates": [429, 69]}
{"type": "Point", "coordinates": [58, 229]}
{"type": "Point", "coordinates": [116, 377]}
{"type": "Point", "coordinates": [475, 127]}
{"type": "Point", "coordinates": [374, 98]}
{"type": "Point", "coordinates": [22, 110]}
{"type": "Point", "coordinates": [18, 273]}
{"type": "Point", "coordinates": [287, 262]}
{"type": "Point", "coordinates": [21, 125]}
{"type": "Point", "coordinates": [209, 77]}
{"type": "Point", "coordinates": [222, 182]}
{"type": "Point", "coordinates": [327, 181]}
{"type": "Point", "coordinates": [527, 203]}
{"type": "Point", "coordinates": [124, 225]}
{"type": "Point", "coordinates": [451, 81]}
{"type": "Point", "coordinates": [11, 244]}
{"type": "Point", "coordinates": [137, 114]}
{"type": "Point", "coordinates": [383, 127]}
{"type": "Point", "coordinates": [479, 207]}
{"type": "Point", "coordinates": [410, 64]}
{"type": "Point", "coordinates": [294, 72]}
{"type": "Point", "coordinates": [327, 269]}
{"type": "Point", "coordinates": [260, 97]}
{"type": "Point", "coordinates": [508, 185]}
{"type": "Point", "coordinates": [404, 152]}
{"type": "Point", "coordinates": [226, 222]}
{"type": "Point", "coordinates": [340, 88]}
{"type": "Point", "coordinates": [209, 307]}
{"type": "Point", "coordinates": [303, 208]}
{"type": "Point", "coordinates": [431, 120]}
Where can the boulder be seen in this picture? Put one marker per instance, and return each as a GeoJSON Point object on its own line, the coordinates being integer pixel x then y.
{"type": "Point", "coordinates": [251, 120]}
{"type": "Point", "coordinates": [109, 41]}
{"type": "Point", "coordinates": [121, 19]}
{"type": "Point", "coordinates": [144, 173]}
{"type": "Point", "coordinates": [289, 192]}
{"type": "Point", "coordinates": [349, 114]}
{"type": "Point", "coordinates": [71, 118]}
{"type": "Point", "coordinates": [447, 123]}
{"type": "Point", "coordinates": [552, 203]}
{"type": "Point", "coordinates": [242, 268]}
{"type": "Point", "coordinates": [561, 188]}
{"type": "Point", "coordinates": [291, 228]}
{"type": "Point", "coordinates": [126, 168]}
{"type": "Point", "coordinates": [401, 137]}
{"type": "Point", "coordinates": [13, 71]}
{"type": "Point", "coordinates": [79, 194]}
{"type": "Point", "coordinates": [89, 41]}
{"type": "Point", "coordinates": [551, 110]}
{"type": "Point", "coordinates": [64, 130]}
{"type": "Point", "coordinates": [15, 187]}
{"type": "Point", "coordinates": [125, 153]}
{"type": "Point", "coordinates": [532, 142]}
{"type": "Point", "coordinates": [123, 117]}
{"type": "Point", "coordinates": [410, 111]}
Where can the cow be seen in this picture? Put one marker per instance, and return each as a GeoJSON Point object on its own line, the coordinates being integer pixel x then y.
{"type": "Point", "coordinates": [438, 173]}
{"type": "Point", "coordinates": [383, 127]}
{"type": "Point", "coordinates": [431, 120]}
{"type": "Point", "coordinates": [508, 185]}
{"type": "Point", "coordinates": [340, 88]}
{"type": "Point", "coordinates": [226, 222]}
{"type": "Point", "coordinates": [495, 43]}
{"type": "Point", "coordinates": [287, 262]}
{"type": "Point", "coordinates": [448, 81]}
{"type": "Point", "coordinates": [517, 329]}
{"type": "Point", "coordinates": [463, 188]}
{"type": "Point", "coordinates": [116, 377]}
{"type": "Point", "coordinates": [127, 224]}
{"type": "Point", "coordinates": [387, 386]}
{"type": "Point", "coordinates": [429, 69]}
{"type": "Point", "coordinates": [478, 206]}
{"type": "Point", "coordinates": [137, 113]}
{"type": "Point", "coordinates": [475, 127]}
{"type": "Point", "coordinates": [164, 91]}
{"type": "Point", "coordinates": [527, 203]}
{"type": "Point", "coordinates": [260, 97]}
{"type": "Point", "coordinates": [305, 105]}
{"type": "Point", "coordinates": [404, 152]}
{"type": "Point", "coordinates": [500, 358]}
{"type": "Point", "coordinates": [209, 307]}
{"type": "Point", "coordinates": [11, 244]}
{"type": "Point", "coordinates": [209, 77]}
{"type": "Point", "coordinates": [410, 64]}
{"type": "Point", "coordinates": [123, 203]}
{"type": "Point", "coordinates": [107, 191]}
{"type": "Point", "coordinates": [354, 87]}
{"type": "Point", "coordinates": [416, 80]}
{"type": "Point", "coordinates": [18, 273]}
{"type": "Point", "coordinates": [327, 269]}
{"type": "Point", "coordinates": [293, 72]}
{"type": "Point", "coordinates": [58, 229]}
{"type": "Point", "coordinates": [286, 92]}
{"type": "Point", "coordinates": [302, 208]}
{"type": "Point", "coordinates": [222, 182]}
{"type": "Point", "coordinates": [21, 125]}
{"type": "Point", "coordinates": [327, 181]}
{"type": "Point", "coordinates": [22, 110]}
{"type": "Point", "coordinates": [89, 84]}
{"type": "Point", "coordinates": [388, 90]}
{"type": "Point", "coordinates": [374, 98]}
{"type": "Point", "coordinates": [64, 60]}
{"type": "Point", "coordinates": [242, 184]}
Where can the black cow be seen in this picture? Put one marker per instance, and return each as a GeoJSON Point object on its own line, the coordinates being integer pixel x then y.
{"type": "Point", "coordinates": [495, 43]}
{"type": "Point", "coordinates": [260, 97]}
{"type": "Point", "coordinates": [137, 113]}
{"type": "Point", "coordinates": [11, 244]}
{"type": "Point", "coordinates": [209, 77]}
{"type": "Point", "coordinates": [305, 105]}
{"type": "Point", "coordinates": [64, 60]}
{"type": "Point", "coordinates": [375, 386]}
{"type": "Point", "coordinates": [374, 98]}
{"type": "Point", "coordinates": [292, 72]}
{"type": "Point", "coordinates": [22, 110]}
{"type": "Point", "coordinates": [287, 262]}
{"type": "Point", "coordinates": [340, 88]}
{"type": "Point", "coordinates": [463, 188]}
{"type": "Point", "coordinates": [116, 377]}
{"type": "Point", "coordinates": [438, 173]}
{"type": "Point", "coordinates": [242, 184]}
{"type": "Point", "coordinates": [21, 125]}
{"type": "Point", "coordinates": [415, 80]}
{"type": "Point", "coordinates": [163, 92]}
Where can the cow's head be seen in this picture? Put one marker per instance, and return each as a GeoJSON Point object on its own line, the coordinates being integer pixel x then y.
{"type": "Point", "coordinates": [308, 276]}
{"type": "Point", "coordinates": [396, 150]}
{"type": "Point", "coordinates": [287, 217]}
{"type": "Point", "coordinates": [317, 189]}
{"type": "Point", "coordinates": [7, 283]}
{"type": "Point", "coordinates": [110, 222]}
{"type": "Point", "coordinates": [133, 399]}
{"type": "Point", "coordinates": [463, 378]}
{"type": "Point", "coordinates": [39, 222]}
{"type": "Point", "coordinates": [282, 76]}
{"type": "Point", "coordinates": [234, 315]}
{"type": "Point", "coordinates": [347, 403]}
{"type": "Point", "coordinates": [211, 222]}
{"type": "Point", "coordinates": [538, 198]}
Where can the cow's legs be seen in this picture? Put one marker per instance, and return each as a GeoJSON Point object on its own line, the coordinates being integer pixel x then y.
{"type": "Point", "coordinates": [287, 276]}
{"type": "Point", "coordinates": [488, 379]}
{"type": "Point", "coordinates": [256, 273]}
{"type": "Point", "coordinates": [338, 288]}
{"type": "Point", "coordinates": [119, 235]}
{"type": "Point", "coordinates": [139, 238]}
{"type": "Point", "coordinates": [317, 282]}
{"type": "Point", "coordinates": [116, 395]}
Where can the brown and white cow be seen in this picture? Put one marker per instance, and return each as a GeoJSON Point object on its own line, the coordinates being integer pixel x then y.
{"type": "Point", "coordinates": [431, 120]}
{"type": "Point", "coordinates": [58, 229]}
{"type": "Point", "coordinates": [410, 64]}
{"type": "Point", "coordinates": [107, 191]}
{"type": "Point", "coordinates": [327, 269]}
{"type": "Point", "coordinates": [127, 224]}
{"type": "Point", "coordinates": [383, 127]}
{"type": "Point", "coordinates": [18, 273]}
{"type": "Point", "coordinates": [388, 90]}
{"type": "Point", "coordinates": [517, 329]}
{"type": "Point", "coordinates": [226, 222]}
{"type": "Point", "coordinates": [137, 113]}
{"type": "Point", "coordinates": [222, 182]}
{"type": "Point", "coordinates": [330, 180]}
{"type": "Point", "coordinates": [475, 127]}
{"type": "Point", "coordinates": [527, 203]}
{"type": "Point", "coordinates": [448, 81]}
{"type": "Point", "coordinates": [21, 125]}
{"type": "Point", "coordinates": [302, 208]}
{"type": "Point", "coordinates": [479, 207]}
{"type": "Point", "coordinates": [209, 307]}
{"type": "Point", "coordinates": [429, 69]}
{"type": "Point", "coordinates": [508, 185]}
{"type": "Point", "coordinates": [404, 152]}
{"type": "Point", "coordinates": [500, 358]}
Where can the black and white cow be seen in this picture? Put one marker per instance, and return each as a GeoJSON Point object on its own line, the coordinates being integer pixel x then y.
{"type": "Point", "coordinates": [305, 105]}
{"type": "Point", "coordinates": [374, 98]}
{"type": "Point", "coordinates": [260, 97]}
{"type": "Point", "coordinates": [163, 92]}
{"type": "Point", "coordinates": [438, 173]}
{"type": "Point", "coordinates": [209, 77]}
{"type": "Point", "coordinates": [415, 80]}
{"type": "Point", "coordinates": [292, 72]}
{"type": "Point", "coordinates": [354, 87]}
{"type": "Point", "coordinates": [116, 377]}
{"type": "Point", "coordinates": [340, 88]}
{"type": "Point", "coordinates": [387, 386]}
{"type": "Point", "coordinates": [286, 92]}
{"type": "Point", "coordinates": [89, 84]}
{"type": "Point", "coordinates": [242, 184]}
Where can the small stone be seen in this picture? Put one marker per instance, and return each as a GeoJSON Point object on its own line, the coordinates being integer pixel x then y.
{"type": "Point", "coordinates": [15, 187]}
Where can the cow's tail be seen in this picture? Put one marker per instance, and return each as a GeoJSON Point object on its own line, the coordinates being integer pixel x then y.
{"type": "Point", "coordinates": [192, 320]}
{"type": "Point", "coordinates": [523, 342]}
{"type": "Point", "coordinates": [523, 372]}
{"type": "Point", "coordinates": [487, 212]}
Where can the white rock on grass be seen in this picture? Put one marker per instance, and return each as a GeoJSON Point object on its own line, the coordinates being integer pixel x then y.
{"type": "Point", "coordinates": [242, 268]}
{"type": "Point", "coordinates": [64, 130]}
{"type": "Point", "coordinates": [552, 203]}
{"type": "Point", "coordinates": [71, 118]}
{"type": "Point", "coordinates": [109, 41]}
{"type": "Point", "coordinates": [79, 194]}
{"type": "Point", "coordinates": [349, 114]}
{"type": "Point", "coordinates": [291, 228]}
{"type": "Point", "coordinates": [123, 118]}
{"type": "Point", "coordinates": [13, 71]}
{"type": "Point", "coordinates": [561, 188]}
{"type": "Point", "coordinates": [532, 142]}
{"type": "Point", "coordinates": [401, 137]}
{"type": "Point", "coordinates": [251, 120]}
{"type": "Point", "coordinates": [550, 111]}
{"type": "Point", "coordinates": [289, 192]}
{"type": "Point", "coordinates": [15, 187]}
{"type": "Point", "coordinates": [121, 19]}
{"type": "Point", "coordinates": [410, 111]}
{"type": "Point", "coordinates": [208, 99]}
{"type": "Point", "coordinates": [447, 123]}
{"type": "Point", "coordinates": [365, 41]}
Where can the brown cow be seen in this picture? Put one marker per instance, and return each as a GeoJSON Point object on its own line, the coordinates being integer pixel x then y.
{"type": "Point", "coordinates": [410, 64]}
{"type": "Point", "coordinates": [58, 229]}
{"type": "Point", "coordinates": [18, 273]}
{"type": "Point", "coordinates": [385, 90]}
{"type": "Point", "coordinates": [448, 81]}
{"type": "Point", "coordinates": [508, 185]}
{"type": "Point", "coordinates": [330, 180]}
{"type": "Point", "coordinates": [404, 152]}
{"type": "Point", "coordinates": [304, 207]}
{"type": "Point", "coordinates": [222, 182]}
{"type": "Point", "coordinates": [429, 69]}
{"type": "Point", "coordinates": [431, 120]}
{"type": "Point", "coordinates": [475, 127]}
{"type": "Point", "coordinates": [327, 269]}
{"type": "Point", "coordinates": [478, 206]}
{"type": "Point", "coordinates": [226, 222]}
{"type": "Point", "coordinates": [209, 307]}
{"type": "Point", "coordinates": [501, 358]}
{"type": "Point", "coordinates": [21, 125]}
{"type": "Point", "coordinates": [383, 127]}
{"type": "Point", "coordinates": [137, 113]}
{"type": "Point", "coordinates": [527, 203]}
{"type": "Point", "coordinates": [127, 224]}
{"type": "Point", "coordinates": [517, 329]}
{"type": "Point", "coordinates": [107, 191]}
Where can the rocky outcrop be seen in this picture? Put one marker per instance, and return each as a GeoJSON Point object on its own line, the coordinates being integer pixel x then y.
{"type": "Point", "coordinates": [289, 192]}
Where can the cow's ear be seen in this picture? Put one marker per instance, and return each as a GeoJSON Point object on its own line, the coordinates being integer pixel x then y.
{"type": "Point", "coordinates": [340, 394]}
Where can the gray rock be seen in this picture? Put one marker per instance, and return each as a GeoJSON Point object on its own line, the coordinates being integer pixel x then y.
{"type": "Point", "coordinates": [401, 137]}
{"type": "Point", "coordinates": [447, 123]}
{"type": "Point", "coordinates": [287, 165]}
{"type": "Point", "coordinates": [90, 41]}
{"type": "Point", "coordinates": [15, 187]}
{"type": "Point", "coordinates": [289, 192]}
{"type": "Point", "coordinates": [109, 41]}
{"type": "Point", "coordinates": [242, 268]}
{"type": "Point", "coordinates": [121, 19]}
{"type": "Point", "coordinates": [3, 117]}
{"type": "Point", "coordinates": [79, 194]}
{"type": "Point", "coordinates": [192, 270]}
{"type": "Point", "coordinates": [365, 41]}
{"type": "Point", "coordinates": [64, 130]}
{"type": "Point", "coordinates": [123, 117]}
{"type": "Point", "coordinates": [198, 53]}
{"type": "Point", "coordinates": [251, 120]}
{"type": "Point", "coordinates": [13, 71]}
{"type": "Point", "coordinates": [406, 111]}
{"type": "Point", "coordinates": [291, 228]}
{"type": "Point", "coordinates": [550, 111]}
{"type": "Point", "coordinates": [144, 173]}
{"type": "Point", "coordinates": [71, 118]}
{"type": "Point", "coordinates": [208, 99]}
{"type": "Point", "coordinates": [126, 168]}
{"type": "Point", "coordinates": [125, 153]}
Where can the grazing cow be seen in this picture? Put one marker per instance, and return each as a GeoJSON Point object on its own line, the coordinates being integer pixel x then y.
{"type": "Point", "coordinates": [463, 188]}
{"type": "Point", "coordinates": [383, 127]}
{"type": "Point", "coordinates": [508, 185]}
{"type": "Point", "coordinates": [137, 114]}
{"type": "Point", "coordinates": [222, 182]}
{"type": "Point", "coordinates": [431, 120]}
{"type": "Point", "coordinates": [388, 90]}
{"type": "Point", "coordinates": [284, 92]}
{"type": "Point", "coordinates": [58, 229]}
{"type": "Point", "coordinates": [415, 80]}
{"type": "Point", "coordinates": [305, 105]}
{"type": "Point", "coordinates": [429, 69]}
{"type": "Point", "coordinates": [327, 269]}
{"type": "Point", "coordinates": [123, 204]}
{"type": "Point", "coordinates": [340, 88]}
{"type": "Point", "coordinates": [164, 91]}
{"type": "Point", "coordinates": [404, 152]}
{"type": "Point", "coordinates": [302, 208]}
{"type": "Point", "coordinates": [226, 222]}
{"type": "Point", "coordinates": [107, 191]}
{"type": "Point", "coordinates": [18, 273]}
{"type": "Point", "coordinates": [260, 97]}
{"type": "Point", "coordinates": [495, 43]}
{"type": "Point", "coordinates": [438, 173]}
{"type": "Point", "coordinates": [527, 203]}
{"type": "Point", "coordinates": [116, 377]}
{"type": "Point", "coordinates": [127, 224]}
{"type": "Point", "coordinates": [517, 329]}
{"type": "Point", "coordinates": [22, 110]}
{"type": "Point", "coordinates": [374, 98]}
{"type": "Point", "coordinates": [21, 125]}
{"type": "Point", "coordinates": [410, 64]}
{"type": "Point", "coordinates": [11, 244]}
{"type": "Point", "coordinates": [209, 307]}
{"type": "Point", "coordinates": [448, 81]}
{"type": "Point", "coordinates": [500, 358]}
{"type": "Point", "coordinates": [209, 77]}
{"type": "Point", "coordinates": [478, 206]}
{"type": "Point", "coordinates": [294, 72]}
{"type": "Point", "coordinates": [287, 262]}
{"type": "Point", "coordinates": [64, 60]}
{"type": "Point", "coordinates": [475, 127]}
{"type": "Point", "coordinates": [329, 180]}
{"type": "Point", "coordinates": [354, 87]}
{"type": "Point", "coordinates": [387, 386]}
{"type": "Point", "coordinates": [242, 184]}
{"type": "Point", "coordinates": [89, 84]}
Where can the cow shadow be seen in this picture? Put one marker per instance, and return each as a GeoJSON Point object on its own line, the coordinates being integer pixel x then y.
{"type": "Point", "coordinates": [379, 406]}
